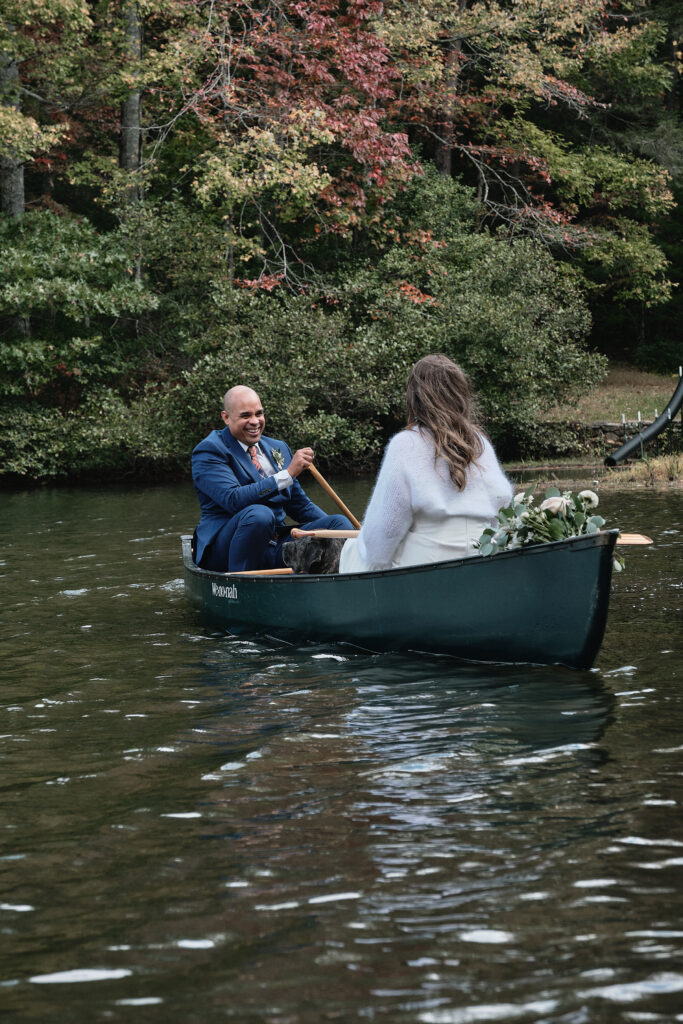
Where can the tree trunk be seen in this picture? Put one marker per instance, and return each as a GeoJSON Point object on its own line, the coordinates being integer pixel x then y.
{"type": "Point", "coordinates": [443, 156]}
{"type": "Point", "coordinates": [12, 200]}
{"type": "Point", "coordinates": [11, 168]}
{"type": "Point", "coordinates": [130, 143]}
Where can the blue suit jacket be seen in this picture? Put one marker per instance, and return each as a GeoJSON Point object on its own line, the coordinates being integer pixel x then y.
{"type": "Point", "coordinates": [227, 481]}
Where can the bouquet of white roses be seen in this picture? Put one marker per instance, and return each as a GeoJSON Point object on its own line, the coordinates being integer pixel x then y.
{"type": "Point", "coordinates": [559, 515]}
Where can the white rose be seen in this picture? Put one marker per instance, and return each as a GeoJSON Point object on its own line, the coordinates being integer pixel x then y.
{"type": "Point", "coordinates": [590, 497]}
{"type": "Point", "coordinates": [556, 505]}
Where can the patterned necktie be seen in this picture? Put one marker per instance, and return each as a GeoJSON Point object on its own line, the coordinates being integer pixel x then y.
{"type": "Point", "coordinates": [254, 458]}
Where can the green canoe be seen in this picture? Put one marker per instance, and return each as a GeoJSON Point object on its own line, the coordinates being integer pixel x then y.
{"type": "Point", "coordinates": [543, 604]}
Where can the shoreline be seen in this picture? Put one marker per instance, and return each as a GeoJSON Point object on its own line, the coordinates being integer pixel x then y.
{"type": "Point", "coordinates": [662, 473]}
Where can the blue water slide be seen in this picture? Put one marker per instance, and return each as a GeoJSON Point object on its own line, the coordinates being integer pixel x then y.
{"type": "Point", "coordinates": [649, 433]}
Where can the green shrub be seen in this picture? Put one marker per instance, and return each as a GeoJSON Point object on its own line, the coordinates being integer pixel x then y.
{"type": "Point", "coordinates": [330, 365]}
{"type": "Point", "coordinates": [503, 308]}
{"type": "Point", "coordinates": [70, 300]}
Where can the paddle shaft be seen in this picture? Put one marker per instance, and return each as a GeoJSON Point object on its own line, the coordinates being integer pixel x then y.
{"type": "Point", "coordinates": [324, 534]}
{"type": "Point", "coordinates": [261, 572]}
{"type": "Point", "coordinates": [624, 538]}
{"type": "Point", "coordinates": [333, 494]}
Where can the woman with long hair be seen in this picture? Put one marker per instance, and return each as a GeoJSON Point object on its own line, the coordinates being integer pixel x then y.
{"type": "Point", "coordinates": [440, 484]}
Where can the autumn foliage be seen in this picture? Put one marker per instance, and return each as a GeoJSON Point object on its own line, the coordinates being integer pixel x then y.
{"type": "Point", "coordinates": [212, 154]}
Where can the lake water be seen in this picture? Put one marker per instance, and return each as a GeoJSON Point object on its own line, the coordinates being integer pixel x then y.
{"type": "Point", "coordinates": [204, 829]}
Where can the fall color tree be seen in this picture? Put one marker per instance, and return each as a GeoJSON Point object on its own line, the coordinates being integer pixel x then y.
{"type": "Point", "coordinates": [517, 97]}
{"type": "Point", "coordinates": [172, 167]}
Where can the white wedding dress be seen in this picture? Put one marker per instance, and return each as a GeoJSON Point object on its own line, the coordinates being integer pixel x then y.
{"type": "Point", "coordinates": [416, 514]}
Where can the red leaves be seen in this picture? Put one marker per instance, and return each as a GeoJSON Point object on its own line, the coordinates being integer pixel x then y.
{"type": "Point", "coordinates": [263, 283]}
{"type": "Point", "coordinates": [293, 60]}
{"type": "Point", "coordinates": [412, 294]}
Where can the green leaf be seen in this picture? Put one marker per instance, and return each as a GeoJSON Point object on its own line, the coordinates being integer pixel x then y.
{"type": "Point", "coordinates": [556, 531]}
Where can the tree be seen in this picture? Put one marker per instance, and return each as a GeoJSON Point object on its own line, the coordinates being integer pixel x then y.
{"type": "Point", "coordinates": [76, 287]}
{"type": "Point", "coordinates": [11, 164]}
{"type": "Point", "coordinates": [642, 81]}
{"type": "Point", "coordinates": [30, 32]}
{"type": "Point", "coordinates": [292, 97]}
{"type": "Point", "coordinates": [524, 96]}
{"type": "Point", "coordinates": [130, 146]}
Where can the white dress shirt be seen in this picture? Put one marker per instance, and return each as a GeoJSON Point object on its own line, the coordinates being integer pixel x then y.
{"type": "Point", "coordinates": [282, 476]}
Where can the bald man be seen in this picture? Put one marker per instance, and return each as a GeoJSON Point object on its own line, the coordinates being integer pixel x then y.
{"type": "Point", "coordinates": [247, 484]}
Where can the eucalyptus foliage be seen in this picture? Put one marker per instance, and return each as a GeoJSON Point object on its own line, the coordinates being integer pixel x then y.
{"type": "Point", "coordinates": [560, 515]}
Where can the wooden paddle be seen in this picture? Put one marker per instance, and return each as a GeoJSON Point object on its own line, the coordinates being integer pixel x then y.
{"type": "Point", "coordinates": [325, 534]}
{"type": "Point", "coordinates": [262, 572]}
{"type": "Point", "coordinates": [335, 497]}
{"type": "Point", "coordinates": [623, 538]}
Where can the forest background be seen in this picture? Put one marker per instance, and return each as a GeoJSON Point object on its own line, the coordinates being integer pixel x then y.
{"type": "Point", "coordinates": [307, 196]}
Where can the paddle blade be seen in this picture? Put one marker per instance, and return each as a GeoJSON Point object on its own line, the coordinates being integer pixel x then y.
{"type": "Point", "coordinates": [634, 538]}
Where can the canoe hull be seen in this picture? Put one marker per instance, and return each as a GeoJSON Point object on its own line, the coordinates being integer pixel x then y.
{"type": "Point", "coordinates": [545, 604]}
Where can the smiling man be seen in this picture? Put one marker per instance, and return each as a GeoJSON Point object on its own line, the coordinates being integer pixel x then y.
{"type": "Point", "coordinates": [247, 485]}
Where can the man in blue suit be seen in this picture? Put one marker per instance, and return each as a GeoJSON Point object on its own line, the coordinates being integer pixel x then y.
{"type": "Point", "coordinates": [247, 484]}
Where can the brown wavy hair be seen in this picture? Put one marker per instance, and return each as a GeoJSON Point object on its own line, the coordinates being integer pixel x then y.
{"type": "Point", "coordinates": [439, 401]}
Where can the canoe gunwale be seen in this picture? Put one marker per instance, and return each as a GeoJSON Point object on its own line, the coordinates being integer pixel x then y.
{"type": "Point", "coordinates": [599, 539]}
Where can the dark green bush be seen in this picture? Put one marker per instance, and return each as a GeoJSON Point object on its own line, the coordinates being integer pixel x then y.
{"type": "Point", "coordinates": [330, 365]}
{"type": "Point", "coordinates": [70, 301]}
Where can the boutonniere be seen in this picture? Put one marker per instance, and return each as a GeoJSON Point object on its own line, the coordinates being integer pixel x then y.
{"type": "Point", "coordinates": [278, 457]}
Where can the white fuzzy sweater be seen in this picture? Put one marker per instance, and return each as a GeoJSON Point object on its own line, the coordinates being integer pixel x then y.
{"type": "Point", "coordinates": [410, 488]}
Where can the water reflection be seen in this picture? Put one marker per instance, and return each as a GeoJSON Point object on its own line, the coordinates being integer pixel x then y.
{"type": "Point", "coordinates": [411, 716]}
{"type": "Point", "coordinates": [457, 711]}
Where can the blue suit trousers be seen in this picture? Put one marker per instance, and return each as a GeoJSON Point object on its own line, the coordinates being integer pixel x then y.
{"type": "Point", "coordinates": [251, 540]}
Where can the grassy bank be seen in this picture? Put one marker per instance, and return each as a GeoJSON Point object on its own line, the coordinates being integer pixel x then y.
{"type": "Point", "coordinates": [664, 472]}
{"type": "Point", "coordinates": [590, 428]}
{"type": "Point", "coordinates": [625, 391]}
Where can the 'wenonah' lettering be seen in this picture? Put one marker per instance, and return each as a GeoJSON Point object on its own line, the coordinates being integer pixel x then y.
{"type": "Point", "coordinates": [220, 590]}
